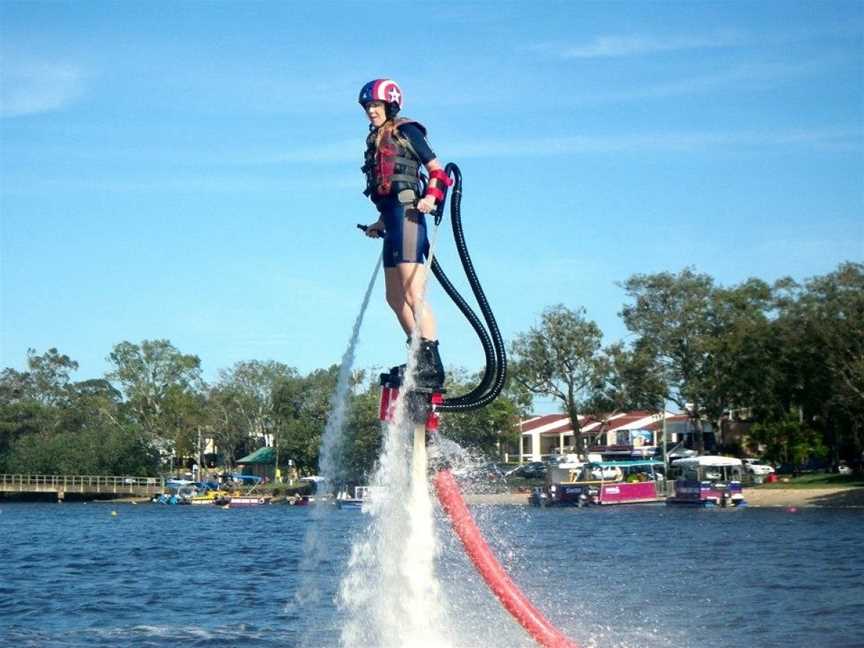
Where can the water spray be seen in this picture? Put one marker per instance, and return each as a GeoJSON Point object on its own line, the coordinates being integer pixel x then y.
{"type": "Point", "coordinates": [401, 398]}
{"type": "Point", "coordinates": [314, 550]}
{"type": "Point", "coordinates": [339, 402]}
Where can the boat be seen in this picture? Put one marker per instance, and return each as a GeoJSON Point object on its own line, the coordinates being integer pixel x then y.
{"type": "Point", "coordinates": [237, 501]}
{"type": "Point", "coordinates": [177, 493]}
{"type": "Point", "coordinates": [603, 483]}
{"type": "Point", "coordinates": [211, 497]}
{"type": "Point", "coordinates": [361, 493]}
{"type": "Point", "coordinates": [170, 498]}
{"type": "Point", "coordinates": [707, 481]}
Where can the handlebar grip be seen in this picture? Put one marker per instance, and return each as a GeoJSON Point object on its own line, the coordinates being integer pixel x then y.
{"type": "Point", "coordinates": [366, 227]}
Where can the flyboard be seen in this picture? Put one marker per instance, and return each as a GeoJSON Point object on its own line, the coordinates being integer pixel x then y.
{"type": "Point", "coordinates": [424, 408]}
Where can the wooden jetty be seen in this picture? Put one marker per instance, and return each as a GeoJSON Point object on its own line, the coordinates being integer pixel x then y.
{"type": "Point", "coordinates": [83, 485]}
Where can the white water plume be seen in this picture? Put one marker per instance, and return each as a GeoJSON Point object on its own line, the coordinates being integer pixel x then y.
{"type": "Point", "coordinates": [314, 549]}
{"type": "Point", "coordinates": [327, 462]}
{"type": "Point", "coordinates": [390, 593]}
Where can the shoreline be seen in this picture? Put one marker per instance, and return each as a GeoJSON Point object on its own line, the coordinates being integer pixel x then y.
{"type": "Point", "coordinates": [831, 497]}
{"type": "Point", "coordinates": [843, 497]}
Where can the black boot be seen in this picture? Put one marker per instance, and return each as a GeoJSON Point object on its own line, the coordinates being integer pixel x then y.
{"type": "Point", "coordinates": [430, 370]}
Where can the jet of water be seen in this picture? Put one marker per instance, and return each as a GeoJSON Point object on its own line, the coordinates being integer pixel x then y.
{"type": "Point", "coordinates": [390, 594]}
{"type": "Point", "coordinates": [314, 549]}
{"type": "Point", "coordinates": [327, 457]}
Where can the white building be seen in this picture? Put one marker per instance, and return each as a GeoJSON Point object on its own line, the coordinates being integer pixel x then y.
{"type": "Point", "coordinates": [626, 433]}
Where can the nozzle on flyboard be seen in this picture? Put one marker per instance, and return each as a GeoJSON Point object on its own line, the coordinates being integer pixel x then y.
{"type": "Point", "coordinates": [422, 404]}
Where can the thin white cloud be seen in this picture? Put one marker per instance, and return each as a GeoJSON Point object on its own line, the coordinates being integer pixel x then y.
{"type": "Point", "coordinates": [838, 139]}
{"type": "Point", "coordinates": [753, 76]}
{"type": "Point", "coordinates": [340, 151]}
{"type": "Point", "coordinates": [617, 46]}
{"type": "Point", "coordinates": [671, 142]}
{"type": "Point", "coordinates": [34, 88]}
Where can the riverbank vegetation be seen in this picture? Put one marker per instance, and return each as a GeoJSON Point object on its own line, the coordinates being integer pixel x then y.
{"type": "Point", "coordinates": [784, 362]}
{"type": "Point", "coordinates": [778, 368]}
{"type": "Point", "coordinates": [816, 480]}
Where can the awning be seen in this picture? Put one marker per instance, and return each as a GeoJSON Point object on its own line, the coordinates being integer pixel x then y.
{"type": "Point", "coordinates": [260, 456]}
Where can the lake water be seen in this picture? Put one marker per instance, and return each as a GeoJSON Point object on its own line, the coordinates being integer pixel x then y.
{"type": "Point", "coordinates": [162, 576]}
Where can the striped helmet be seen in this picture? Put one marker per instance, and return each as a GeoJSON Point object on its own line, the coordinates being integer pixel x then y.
{"type": "Point", "coordinates": [386, 90]}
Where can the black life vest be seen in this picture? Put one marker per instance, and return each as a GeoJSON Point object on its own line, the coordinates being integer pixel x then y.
{"type": "Point", "coordinates": [391, 163]}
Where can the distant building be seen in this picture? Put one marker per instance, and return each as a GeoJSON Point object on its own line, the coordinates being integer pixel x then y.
{"type": "Point", "coordinates": [638, 433]}
{"type": "Point", "coordinates": [261, 463]}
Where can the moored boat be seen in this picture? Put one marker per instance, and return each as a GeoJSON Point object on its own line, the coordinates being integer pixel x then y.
{"type": "Point", "coordinates": [707, 481]}
{"type": "Point", "coordinates": [601, 482]}
{"type": "Point", "coordinates": [170, 498]}
{"type": "Point", "coordinates": [211, 497]}
{"type": "Point", "coordinates": [356, 502]}
{"type": "Point", "coordinates": [237, 501]}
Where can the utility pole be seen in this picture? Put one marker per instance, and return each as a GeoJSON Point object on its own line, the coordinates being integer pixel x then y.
{"type": "Point", "coordinates": [200, 454]}
{"type": "Point", "coordinates": [665, 456]}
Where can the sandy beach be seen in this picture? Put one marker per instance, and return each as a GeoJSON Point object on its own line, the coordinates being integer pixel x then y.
{"type": "Point", "coordinates": [838, 497]}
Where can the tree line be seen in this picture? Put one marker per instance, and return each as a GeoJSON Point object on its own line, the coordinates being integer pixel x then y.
{"type": "Point", "coordinates": [786, 358]}
{"type": "Point", "coordinates": [151, 411]}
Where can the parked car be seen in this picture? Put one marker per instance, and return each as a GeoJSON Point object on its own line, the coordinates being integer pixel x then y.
{"type": "Point", "coordinates": [844, 469]}
{"type": "Point", "coordinates": [757, 467]}
{"type": "Point", "coordinates": [246, 480]}
{"type": "Point", "coordinates": [176, 482]}
{"type": "Point", "coordinates": [533, 470]}
{"type": "Point", "coordinates": [608, 473]}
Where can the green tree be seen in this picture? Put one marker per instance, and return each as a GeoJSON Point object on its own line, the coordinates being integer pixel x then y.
{"type": "Point", "coordinates": [95, 451]}
{"type": "Point", "coordinates": [710, 347]}
{"type": "Point", "coordinates": [92, 402]}
{"type": "Point", "coordinates": [357, 455]}
{"type": "Point", "coordinates": [493, 429]}
{"type": "Point", "coordinates": [634, 382]}
{"type": "Point", "coordinates": [226, 425]}
{"type": "Point", "coordinates": [251, 386]}
{"type": "Point", "coordinates": [788, 441]}
{"type": "Point", "coordinates": [154, 377]}
{"type": "Point", "coordinates": [32, 402]}
{"type": "Point", "coordinates": [302, 404]}
{"type": "Point", "coordinates": [50, 375]}
{"type": "Point", "coordinates": [20, 420]}
{"type": "Point", "coordinates": [671, 315]}
{"type": "Point", "coordinates": [820, 333]}
{"type": "Point", "coordinates": [562, 358]}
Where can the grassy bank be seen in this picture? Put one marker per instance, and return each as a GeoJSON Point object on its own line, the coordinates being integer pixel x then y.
{"type": "Point", "coordinates": [817, 480]}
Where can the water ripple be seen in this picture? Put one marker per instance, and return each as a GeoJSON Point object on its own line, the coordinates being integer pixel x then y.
{"type": "Point", "coordinates": [647, 577]}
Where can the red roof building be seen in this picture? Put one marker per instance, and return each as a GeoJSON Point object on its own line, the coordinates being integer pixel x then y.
{"type": "Point", "coordinates": [636, 433]}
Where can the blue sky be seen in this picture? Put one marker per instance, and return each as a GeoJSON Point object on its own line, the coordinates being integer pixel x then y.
{"type": "Point", "coordinates": [190, 170]}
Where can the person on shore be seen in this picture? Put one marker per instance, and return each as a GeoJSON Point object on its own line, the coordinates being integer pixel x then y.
{"type": "Point", "coordinates": [396, 148]}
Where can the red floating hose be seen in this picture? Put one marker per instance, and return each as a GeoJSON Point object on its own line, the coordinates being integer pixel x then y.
{"type": "Point", "coordinates": [490, 569]}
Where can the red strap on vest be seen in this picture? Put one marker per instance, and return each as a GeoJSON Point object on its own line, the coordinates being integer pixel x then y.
{"type": "Point", "coordinates": [385, 161]}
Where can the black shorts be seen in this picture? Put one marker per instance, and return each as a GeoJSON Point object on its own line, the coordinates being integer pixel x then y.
{"type": "Point", "coordinates": [406, 240]}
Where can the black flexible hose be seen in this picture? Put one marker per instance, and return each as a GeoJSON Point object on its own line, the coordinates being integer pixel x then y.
{"type": "Point", "coordinates": [496, 360]}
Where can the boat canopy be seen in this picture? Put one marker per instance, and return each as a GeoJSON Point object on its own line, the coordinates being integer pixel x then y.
{"type": "Point", "coordinates": [706, 460]}
{"type": "Point", "coordinates": [627, 464]}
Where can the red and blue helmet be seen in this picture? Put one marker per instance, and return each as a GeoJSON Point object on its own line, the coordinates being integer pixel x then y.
{"type": "Point", "coordinates": [386, 90]}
